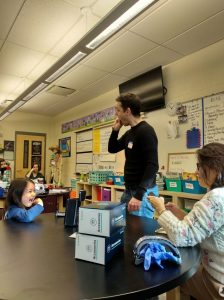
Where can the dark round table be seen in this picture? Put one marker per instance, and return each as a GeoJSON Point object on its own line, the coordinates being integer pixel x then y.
{"type": "Point", "coordinates": [37, 262]}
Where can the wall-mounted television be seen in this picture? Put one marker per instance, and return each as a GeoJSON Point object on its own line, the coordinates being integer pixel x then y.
{"type": "Point", "coordinates": [149, 87]}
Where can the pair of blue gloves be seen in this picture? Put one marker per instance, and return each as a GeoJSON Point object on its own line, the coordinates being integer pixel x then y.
{"type": "Point", "coordinates": [155, 253]}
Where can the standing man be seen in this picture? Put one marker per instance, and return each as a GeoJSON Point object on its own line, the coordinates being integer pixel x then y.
{"type": "Point", "coordinates": [141, 154]}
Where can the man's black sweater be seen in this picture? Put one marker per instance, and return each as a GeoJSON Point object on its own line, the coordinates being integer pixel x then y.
{"type": "Point", "coordinates": [140, 144]}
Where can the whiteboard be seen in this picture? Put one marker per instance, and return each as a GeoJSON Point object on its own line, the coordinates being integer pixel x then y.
{"type": "Point", "coordinates": [104, 138]}
{"type": "Point", "coordinates": [84, 146]}
{"type": "Point", "coordinates": [214, 119]}
{"type": "Point", "coordinates": [182, 162]}
{"type": "Point", "coordinates": [84, 135]}
{"type": "Point", "coordinates": [84, 158]}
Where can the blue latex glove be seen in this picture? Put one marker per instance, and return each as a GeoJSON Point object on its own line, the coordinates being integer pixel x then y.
{"type": "Point", "coordinates": [155, 253]}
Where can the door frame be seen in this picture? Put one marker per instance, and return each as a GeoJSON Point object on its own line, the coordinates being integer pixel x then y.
{"type": "Point", "coordinates": [31, 133]}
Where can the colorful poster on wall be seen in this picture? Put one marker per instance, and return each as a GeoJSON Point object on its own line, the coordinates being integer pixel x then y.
{"type": "Point", "coordinates": [65, 146]}
{"type": "Point", "coordinates": [103, 116]}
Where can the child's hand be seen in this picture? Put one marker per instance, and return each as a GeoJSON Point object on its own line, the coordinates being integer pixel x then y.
{"type": "Point", "coordinates": [38, 201]}
{"type": "Point", "coordinates": [157, 203]}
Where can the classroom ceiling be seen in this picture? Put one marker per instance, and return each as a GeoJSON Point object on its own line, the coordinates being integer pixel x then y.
{"type": "Point", "coordinates": [34, 34]}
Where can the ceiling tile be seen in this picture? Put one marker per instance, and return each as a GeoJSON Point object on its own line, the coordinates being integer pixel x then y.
{"type": "Point", "coordinates": [72, 36]}
{"type": "Point", "coordinates": [43, 65]}
{"type": "Point", "coordinates": [124, 49]}
{"type": "Point", "coordinates": [105, 84]}
{"type": "Point", "coordinates": [8, 12]}
{"type": "Point", "coordinates": [22, 86]}
{"type": "Point", "coordinates": [102, 7]}
{"type": "Point", "coordinates": [7, 83]}
{"type": "Point", "coordinates": [174, 17]}
{"type": "Point", "coordinates": [81, 77]}
{"type": "Point", "coordinates": [38, 103]}
{"type": "Point", "coordinates": [81, 3]}
{"type": "Point", "coordinates": [18, 61]}
{"type": "Point", "coordinates": [41, 24]}
{"type": "Point", "coordinates": [156, 57]}
{"type": "Point", "coordinates": [148, 11]}
{"type": "Point", "coordinates": [200, 36]}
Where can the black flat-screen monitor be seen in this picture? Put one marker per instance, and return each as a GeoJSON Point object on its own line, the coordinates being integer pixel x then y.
{"type": "Point", "coordinates": [149, 87]}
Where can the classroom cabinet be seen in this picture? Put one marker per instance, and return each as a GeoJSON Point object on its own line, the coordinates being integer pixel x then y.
{"type": "Point", "coordinates": [100, 192]}
{"type": "Point", "coordinates": [180, 198]}
{"type": "Point", "coordinates": [96, 192]}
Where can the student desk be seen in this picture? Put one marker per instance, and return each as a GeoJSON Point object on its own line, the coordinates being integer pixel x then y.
{"type": "Point", "coordinates": [37, 262]}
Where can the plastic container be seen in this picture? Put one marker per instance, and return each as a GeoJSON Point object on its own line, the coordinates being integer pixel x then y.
{"type": "Point", "coordinates": [193, 187]}
{"type": "Point", "coordinates": [118, 180]}
{"type": "Point", "coordinates": [99, 193]}
{"type": "Point", "coordinates": [174, 185]}
{"type": "Point", "coordinates": [106, 194]}
{"type": "Point", "coordinates": [96, 177]}
{"type": "Point", "coordinates": [1, 192]}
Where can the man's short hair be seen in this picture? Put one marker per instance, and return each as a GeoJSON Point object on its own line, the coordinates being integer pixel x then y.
{"type": "Point", "coordinates": [131, 101]}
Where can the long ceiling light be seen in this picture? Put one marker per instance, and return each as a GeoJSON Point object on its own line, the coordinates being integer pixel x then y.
{"type": "Point", "coordinates": [17, 105]}
{"type": "Point", "coordinates": [70, 63]}
{"type": "Point", "coordinates": [119, 23]}
{"type": "Point", "coordinates": [4, 116]}
{"type": "Point", "coordinates": [39, 88]}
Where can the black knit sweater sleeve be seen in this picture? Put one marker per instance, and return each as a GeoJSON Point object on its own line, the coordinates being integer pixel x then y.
{"type": "Point", "coordinates": [115, 145]}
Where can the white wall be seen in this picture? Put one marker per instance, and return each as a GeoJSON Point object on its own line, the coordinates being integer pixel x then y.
{"type": "Point", "coordinates": [192, 77]}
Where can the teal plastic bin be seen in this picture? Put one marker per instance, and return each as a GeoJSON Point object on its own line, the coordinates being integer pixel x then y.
{"type": "Point", "coordinates": [193, 187]}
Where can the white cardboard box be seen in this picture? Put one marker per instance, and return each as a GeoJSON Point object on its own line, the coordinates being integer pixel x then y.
{"type": "Point", "coordinates": [98, 249]}
{"type": "Point", "coordinates": [102, 218]}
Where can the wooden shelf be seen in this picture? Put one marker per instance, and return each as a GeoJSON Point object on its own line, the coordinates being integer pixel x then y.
{"type": "Point", "coordinates": [116, 191]}
{"type": "Point", "coordinates": [92, 190]}
{"type": "Point", "coordinates": [178, 197]}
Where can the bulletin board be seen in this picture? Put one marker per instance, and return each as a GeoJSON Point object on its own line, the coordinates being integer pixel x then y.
{"type": "Point", "coordinates": [207, 114]}
{"type": "Point", "coordinates": [103, 160]}
{"type": "Point", "coordinates": [182, 162]}
{"type": "Point", "coordinates": [92, 151]}
{"type": "Point", "coordinates": [214, 118]}
{"type": "Point", "coordinates": [84, 151]}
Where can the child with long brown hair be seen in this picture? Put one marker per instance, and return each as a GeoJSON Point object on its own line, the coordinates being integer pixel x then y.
{"type": "Point", "coordinates": [21, 203]}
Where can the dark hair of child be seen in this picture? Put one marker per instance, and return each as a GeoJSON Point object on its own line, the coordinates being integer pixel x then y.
{"type": "Point", "coordinates": [15, 192]}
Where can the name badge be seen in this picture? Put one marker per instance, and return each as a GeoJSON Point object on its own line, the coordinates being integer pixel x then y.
{"type": "Point", "coordinates": [130, 145]}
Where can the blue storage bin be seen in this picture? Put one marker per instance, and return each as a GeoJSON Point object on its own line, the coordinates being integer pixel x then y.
{"type": "Point", "coordinates": [193, 187]}
{"type": "Point", "coordinates": [118, 180]}
{"type": "Point", "coordinates": [1, 192]}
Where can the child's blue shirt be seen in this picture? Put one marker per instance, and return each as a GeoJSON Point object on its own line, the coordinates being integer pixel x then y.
{"type": "Point", "coordinates": [22, 214]}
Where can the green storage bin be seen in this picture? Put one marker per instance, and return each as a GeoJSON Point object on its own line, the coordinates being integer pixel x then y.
{"type": "Point", "coordinates": [97, 177]}
{"type": "Point", "coordinates": [173, 185]}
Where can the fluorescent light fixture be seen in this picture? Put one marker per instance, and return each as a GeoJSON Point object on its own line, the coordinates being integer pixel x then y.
{"type": "Point", "coordinates": [4, 116]}
{"type": "Point", "coordinates": [76, 58]}
{"type": "Point", "coordinates": [120, 22]}
{"type": "Point", "coordinates": [17, 105]}
{"type": "Point", "coordinates": [39, 88]}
